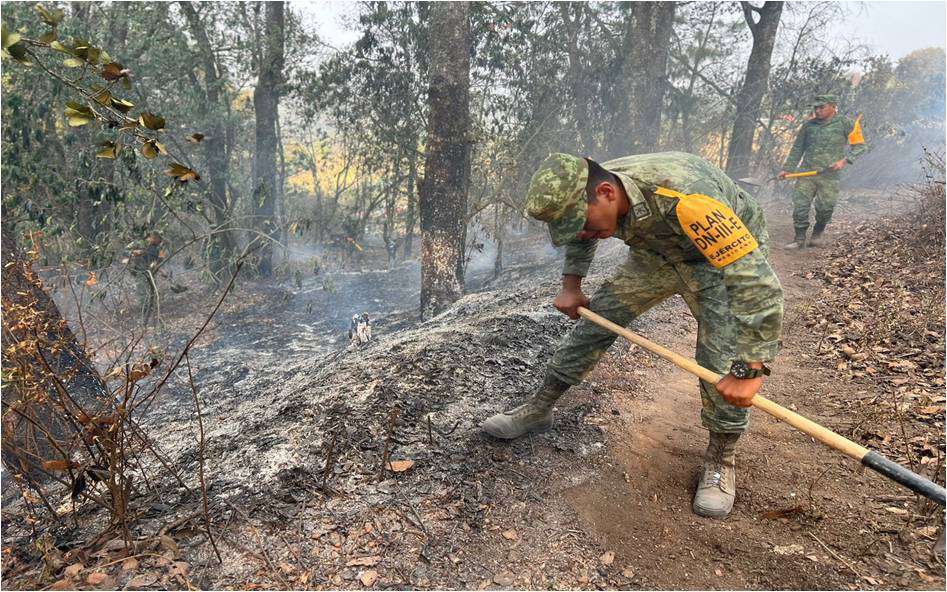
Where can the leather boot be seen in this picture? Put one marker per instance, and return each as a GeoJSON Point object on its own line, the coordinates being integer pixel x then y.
{"type": "Point", "coordinates": [718, 483]}
{"type": "Point", "coordinates": [816, 239]}
{"type": "Point", "coordinates": [533, 416]}
{"type": "Point", "coordinates": [799, 242]}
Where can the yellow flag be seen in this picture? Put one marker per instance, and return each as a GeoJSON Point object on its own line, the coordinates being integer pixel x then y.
{"type": "Point", "coordinates": [856, 137]}
{"type": "Point", "coordinates": [716, 231]}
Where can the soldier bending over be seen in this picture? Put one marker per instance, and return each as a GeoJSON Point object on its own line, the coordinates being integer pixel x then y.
{"type": "Point", "coordinates": [692, 232]}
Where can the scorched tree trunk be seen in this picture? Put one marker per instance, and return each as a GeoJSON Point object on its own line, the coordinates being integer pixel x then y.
{"type": "Point", "coordinates": [443, 194]}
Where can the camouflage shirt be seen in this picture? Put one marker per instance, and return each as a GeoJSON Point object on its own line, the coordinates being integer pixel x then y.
{"type": "Point", "coordinates": [755, 294]}
{"type": "Point", "coordinates": [821, 143]}
{"type": "Point", "coordinates": [150, 255]}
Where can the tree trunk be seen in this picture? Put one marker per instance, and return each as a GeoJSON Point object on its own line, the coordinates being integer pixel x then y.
{"type": "Point", "coordinates": [637, 121]}
{"type": "Point", "coordinates": [498, 235]}
{"type": "Point", "coordinates": [754, 87]}
{"type": "Point", "coordinates": [574, 28]}
{"type": "Point", "coordinates": [47, 374]}
{"type": "Point", "coordinates": [265, 106]}
{"type": "Point", "coordinates": [443, 195]}
{"type": "Point", "coordinates": [412, 214]}
{"type": "Point", "coordinates": [221, 244]}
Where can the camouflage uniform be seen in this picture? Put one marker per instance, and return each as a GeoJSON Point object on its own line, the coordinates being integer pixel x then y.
{"type": "Point", "coordinates": [738, 307]}
{"type": "Point", "coordinates": [818, 145]}
{"type": "Point", "coordinates": [142, 268]}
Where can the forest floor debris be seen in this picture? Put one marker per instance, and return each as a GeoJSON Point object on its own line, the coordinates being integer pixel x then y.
{"type": "Point", "coordinates": [363, 468]}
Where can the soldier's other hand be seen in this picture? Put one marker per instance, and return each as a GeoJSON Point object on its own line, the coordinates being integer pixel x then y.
{"type": "Point", "coordinates": [739, 391]}
{"type": "Point", "coordinates": [837, 166]}
{"type": "Point", "coordinates": [782, 174]}
{"type": "Point", "coordinates": [568, 302]}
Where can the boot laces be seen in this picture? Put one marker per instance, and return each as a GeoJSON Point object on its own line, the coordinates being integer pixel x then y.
{"type": "Point", "coordinates": [713, 473]}
{"type": "Point", "coordinates": [523, 411]}
{"type": "Point", "coordinates": [716, 477]}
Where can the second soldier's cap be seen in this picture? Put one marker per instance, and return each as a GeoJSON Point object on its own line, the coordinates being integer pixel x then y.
{"type": "Point", "coordinates": [824, 99]}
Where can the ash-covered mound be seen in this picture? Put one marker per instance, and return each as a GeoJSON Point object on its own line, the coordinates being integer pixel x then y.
{"type": "Point", "coordinates": [431, 385]}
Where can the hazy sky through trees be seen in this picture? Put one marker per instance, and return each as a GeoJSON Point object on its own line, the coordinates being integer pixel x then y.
{"type": "Point", "coordinates": [895, 28]}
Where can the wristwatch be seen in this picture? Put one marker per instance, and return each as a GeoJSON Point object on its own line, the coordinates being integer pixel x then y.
{"type": "Point", "coordinates": [740, 369]}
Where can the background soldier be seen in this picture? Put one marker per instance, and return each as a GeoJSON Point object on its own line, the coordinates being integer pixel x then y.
{"type": "Point", "coordinates": [716, 261]}
{"type": "Point", "coordinates": [143, 265]}
{"type": "Point", "coordinates": [820, 145]}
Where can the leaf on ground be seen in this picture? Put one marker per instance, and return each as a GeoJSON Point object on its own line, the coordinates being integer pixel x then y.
{"type": "Point", "coordinates": [179, 568]}
{"type": "Point", "coordinates": [114, 545]}
{"type": "Point", "coordinates": [58, 465]}
{"type": "Point", "coordinates": [63, 584]}
{"type": "Point", "coordinates": [368, 578]}
{"type": "Point", "coordinates": [400, 466]}
{"type": "Point", "coordinates": [130, 564]}
{"type": "Point", "coordinates": [510, 535]}
{"type": "Point", "coordinates": [503, 579]}
{"type": "Point", "coordinates": [165, 558]}
{"type": "Point", "coordinates": [73, 570]}
{"type": "Point", "coordinates": [607, 558]}
{"type": "Point", "coordinates": [142, 580]}
{"type": "Point", "coordinates": [369, 561]}
{"type": "Point", "coordinates": [95, 578]}
{"type": "Point", "coordinates": [151, 121]}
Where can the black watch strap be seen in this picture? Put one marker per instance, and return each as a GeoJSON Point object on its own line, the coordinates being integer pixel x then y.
{"type": "Point", "coordinates": [757, 372]}
{"type": "Point", "coordinates": [742, 370]}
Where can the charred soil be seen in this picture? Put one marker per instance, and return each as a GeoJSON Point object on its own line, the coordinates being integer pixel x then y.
{"type": "Point", "coordinates": [363, 468]}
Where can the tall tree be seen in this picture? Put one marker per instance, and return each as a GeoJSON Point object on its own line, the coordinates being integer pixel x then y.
{"type": "Point", "coordinates": [443, 192]}
{"type": "Point", "coordinates": [266, 95]}
{"type": "Point", "coordinates": [221, 245]}
{"type": "Point", "coordinates": [754, 84]}
{"type": "Point", "coordinates": [642, 78]}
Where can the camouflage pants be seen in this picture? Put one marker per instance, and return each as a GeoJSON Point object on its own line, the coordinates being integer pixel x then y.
{"type": "Point", "coordinates": [147, 296]}
{"type": "Point", "coordinates": [820, 191]}
{"type": "Point", "coordinates": [642, 282]}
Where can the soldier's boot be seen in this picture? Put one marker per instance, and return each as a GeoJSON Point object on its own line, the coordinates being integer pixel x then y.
{"type": "Point", "coordinates": [533, 416]}
{"type": "Point", "coordinates": [799, 242]}
{"type": "Point", "coordinates": [718, 482]}
{"type": "Point", "coordinates": [816, 239]}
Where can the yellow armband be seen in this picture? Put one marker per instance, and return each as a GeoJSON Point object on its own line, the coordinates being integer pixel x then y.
{"type": "Point", "coordinates": [716, 231]}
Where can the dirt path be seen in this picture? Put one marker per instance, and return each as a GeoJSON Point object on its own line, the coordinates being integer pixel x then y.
{"type": "Point", "coordinates": [804, 517]}
{"type": "Point", "coordinates": [602, 501]}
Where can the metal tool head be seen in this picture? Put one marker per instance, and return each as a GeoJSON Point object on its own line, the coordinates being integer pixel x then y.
{"type": "Point", "coordinates": [750, 183]}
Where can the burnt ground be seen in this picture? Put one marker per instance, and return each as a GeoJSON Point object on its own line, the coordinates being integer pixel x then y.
{"type": "Point", "coordinates": [297, 428]}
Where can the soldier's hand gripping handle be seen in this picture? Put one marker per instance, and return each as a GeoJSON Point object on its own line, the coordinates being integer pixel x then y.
{"type": "Point", "coordinates": [570, 297]}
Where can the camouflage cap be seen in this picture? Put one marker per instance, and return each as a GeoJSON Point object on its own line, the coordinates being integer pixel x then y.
{"type": "Point", "coordinates": [556, 196]}
{"type": "Point", "coordinates": [824, 99]}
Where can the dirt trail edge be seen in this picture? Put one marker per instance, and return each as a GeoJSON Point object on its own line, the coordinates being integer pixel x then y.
{"type": "Point", "coordinates": [365, 468]}
{"type": "Point", "coordinates": [806, 517]}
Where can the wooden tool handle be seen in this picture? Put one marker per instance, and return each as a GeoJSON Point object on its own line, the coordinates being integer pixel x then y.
{"type": "Point", "coordinates": [866, 457]}
{"type": "Point", "coordinates": [804, 174]}
{"type": "Point", "coordinates": [820, 433]}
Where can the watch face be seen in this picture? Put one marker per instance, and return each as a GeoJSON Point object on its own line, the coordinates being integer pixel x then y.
{"type": "Point", "coordinates": [739, 369]}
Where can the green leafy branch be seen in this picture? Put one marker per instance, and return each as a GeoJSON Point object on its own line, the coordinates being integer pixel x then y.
{"type": "Point", "coordinates": [100, 104]}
